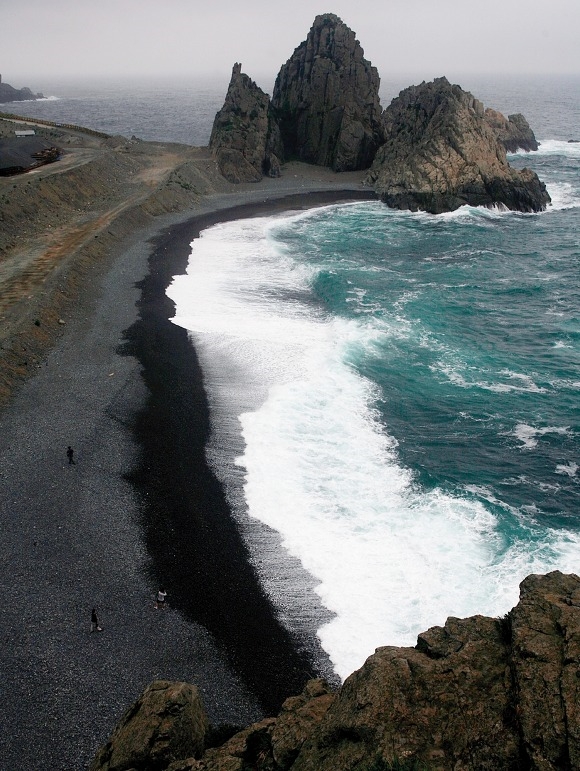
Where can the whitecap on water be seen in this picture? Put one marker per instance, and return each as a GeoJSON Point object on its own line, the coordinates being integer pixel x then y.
{"type": "Point", "coordinates": [528, 435]}
{"type": "Point", "coordinates": [570, 469]}
{"type": "Point", "coordinates": [469, 377]}
{"type": "Point", "coordinates": [564, 196]}
{"type": "Point", "coordinates": [556, 147]}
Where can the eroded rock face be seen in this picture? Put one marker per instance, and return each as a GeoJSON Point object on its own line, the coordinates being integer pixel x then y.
{"type": "Point", "coordinates": [272, 744]}
{"type": "Point", "coordinates": [441, 153]}
{"type": "Point", "coordinates": [478, 694]}
{"type": "Point", "coordinates": [326, 99]}
{"type": "Point", "coordinates": [245, 139]}
{"type": "Point", "coordinates": [297, 720]}
{"type": "Point", "coordinates": [546, 667]}
{"type": "Point", "coordinates": [514, 132]}
{"type": "Point", "coordinates": [166, 723]}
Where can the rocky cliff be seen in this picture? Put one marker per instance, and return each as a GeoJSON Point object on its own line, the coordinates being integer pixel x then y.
{"type": "Point", "coordinates": [477, 694]}
{"type": "Point", "coordinates": [245, 139]}
{"type": "Point", "coordinates": [441, 153]}
{"type": "Point", "coordinates": [326, 99]}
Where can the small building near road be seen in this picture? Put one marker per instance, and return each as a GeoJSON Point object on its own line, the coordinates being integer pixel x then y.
{"type": "Point", "coordinates": [21, 154]}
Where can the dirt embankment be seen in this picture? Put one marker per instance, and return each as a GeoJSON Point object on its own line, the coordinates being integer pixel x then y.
{"type": "Point", "coordinates": [60, 224]}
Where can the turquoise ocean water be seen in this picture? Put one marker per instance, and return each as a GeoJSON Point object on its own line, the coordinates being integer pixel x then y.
{"type": "Point", "coordinates": [396, 394]}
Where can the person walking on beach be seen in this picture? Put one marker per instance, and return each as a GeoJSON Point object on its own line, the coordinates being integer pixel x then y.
{"type": "Point", "coordinates": [69, 455]}
{"type": "Point", "coordinates": [160, 601]}
{"type": "Point", "coordinates": [95, 626]}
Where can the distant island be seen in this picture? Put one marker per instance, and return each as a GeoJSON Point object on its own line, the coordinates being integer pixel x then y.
{"type": "Point", "coordinates": [10, 94]}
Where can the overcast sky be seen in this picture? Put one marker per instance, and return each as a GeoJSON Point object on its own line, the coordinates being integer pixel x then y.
{"type": "Point", "coordinates": [40, 40]}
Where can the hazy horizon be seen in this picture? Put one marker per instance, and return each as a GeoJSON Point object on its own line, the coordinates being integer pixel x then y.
{"type": "Point", "coordinates": [65, 40]}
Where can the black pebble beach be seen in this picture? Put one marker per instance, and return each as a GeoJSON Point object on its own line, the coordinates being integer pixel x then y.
{"type": "Point", "coordinates": [139, 509]}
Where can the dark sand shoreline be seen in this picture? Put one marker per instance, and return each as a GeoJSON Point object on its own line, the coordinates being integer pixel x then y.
{"type": "Point", "coordinates": [83, 535]}
{"type": "Point", "coordinates": [209, 578]}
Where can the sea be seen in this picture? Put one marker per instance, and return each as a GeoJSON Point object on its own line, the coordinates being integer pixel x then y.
{"type": "Point", "coordinates": [395, 394]}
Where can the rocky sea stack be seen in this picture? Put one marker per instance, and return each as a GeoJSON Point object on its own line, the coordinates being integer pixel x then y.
{"type": "Point", "coordinates": [245, 139]}
{"type": "Point", "coordinates": [326, 100]}
{"type": "Point", "coordinates": [441, 153]}
{"type": "Point", "coordinates": [479, 694]}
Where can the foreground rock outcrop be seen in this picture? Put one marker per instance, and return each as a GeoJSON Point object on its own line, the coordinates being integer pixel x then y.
{"type": "Point", "coordinates": [326, 99]}
{"type": "Point", "coordinates": [478, 693]}
{"type": "Point", "coordinates": [441, 153]}
{"type": "Point", "coordinates": [166, 723]}
{"type": "Point", "coordinates": [245, 139]}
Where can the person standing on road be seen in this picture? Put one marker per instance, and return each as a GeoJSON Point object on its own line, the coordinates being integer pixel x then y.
{"type": "Point", "coordinates": [69, 454]}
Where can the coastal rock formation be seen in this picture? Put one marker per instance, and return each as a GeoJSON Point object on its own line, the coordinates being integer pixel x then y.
{"type": "Point", "coordinates": [513, 132]}
{"type": "Point", "coordinates": [440, 153]}
{"type": "Point", "coordinates": [477, 693]}
{"type": "Point", "coordinates": [10, 94]}
{"type": "Point", "coordinates": [326, 100]}
{"type": "Point", "coordinates": [434, 148]}
{"type": "Point", "coordinates": [245, 139]}
{"type": "Point", "coordinates": [166, 723]}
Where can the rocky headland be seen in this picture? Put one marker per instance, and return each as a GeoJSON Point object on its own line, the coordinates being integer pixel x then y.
{"type": "Point", "coordinates": [477, 693]}
{"type": "Point", "coordinates": [325, 110]}
{"type": "Point", "coordinates": [10, 94]}
{"type": "Point", "coordinates": [434, 148]}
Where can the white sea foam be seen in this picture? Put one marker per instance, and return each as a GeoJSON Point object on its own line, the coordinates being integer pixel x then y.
{"type": "Point", "coordinates": [503, 382]}
{"type": "Point", "coordinates": [43, 99]}
{"type": "Point", "coordinates": [564, 195]}
{"type": "Point", "coordinates": [570, 469]}
{"type": "Point", "coordinates": [528, 435]}
{"type": "Point", "coordinates": [317, 465]}
{"type": "Point", "coordinates": [468, 214]}
{"type": "Point", "coordinates": [557, 147]}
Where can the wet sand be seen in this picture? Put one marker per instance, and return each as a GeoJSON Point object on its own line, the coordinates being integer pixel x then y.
{"type": "Point", "coordinates": [139, 508]}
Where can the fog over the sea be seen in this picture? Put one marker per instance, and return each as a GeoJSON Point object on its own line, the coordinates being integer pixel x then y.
{"type": "Point", "coordinates": [128, 38]}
